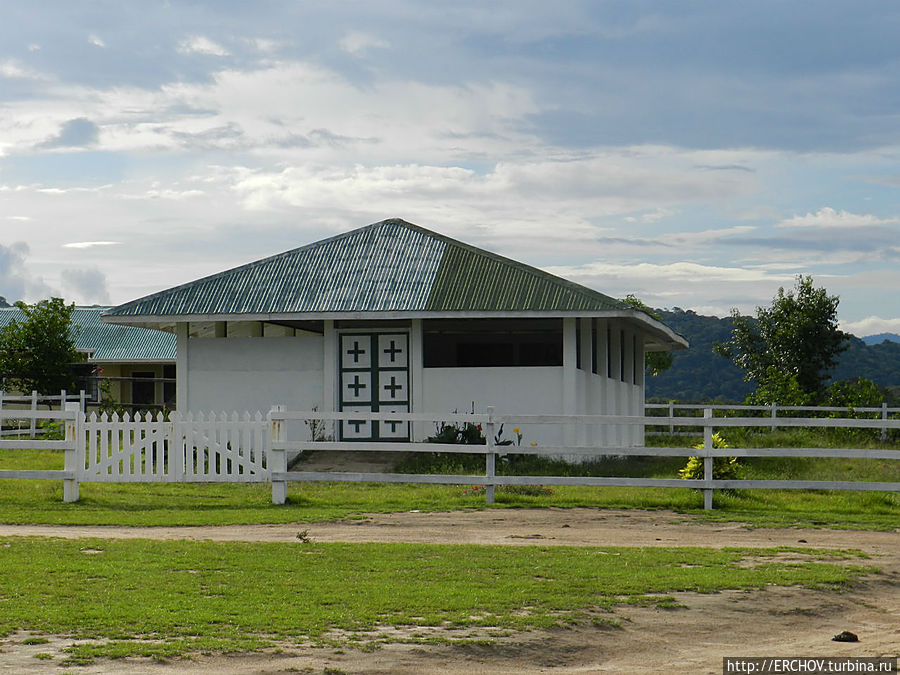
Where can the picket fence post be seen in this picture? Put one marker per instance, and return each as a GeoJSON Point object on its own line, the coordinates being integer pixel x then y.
{"type": "Point", "coordinates": [277, 456]}
{"type": "Point", "coordinates": [490, 458]}
{"type": "Point", "coordinates": [707, 459]}
{"type": "Point", "coordinates": [74, 441]}
{"type": "Point", "coordinates": [884, 416]}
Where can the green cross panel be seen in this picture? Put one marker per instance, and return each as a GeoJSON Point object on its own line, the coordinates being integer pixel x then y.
{"type": "Point", "coordinates": [374, 377]}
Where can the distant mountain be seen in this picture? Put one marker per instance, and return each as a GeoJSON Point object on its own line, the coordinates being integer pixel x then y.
{"type": "Point", "coordinates": [881, 337]}
{"type": "Point", "coordinates": [699, 374]}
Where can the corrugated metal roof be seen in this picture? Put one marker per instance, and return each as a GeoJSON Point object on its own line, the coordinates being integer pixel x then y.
{"type": "Point", "coordinates": [388, 266]}
{"type": "Point", "coordinates": [471, 279]}
{"type": "Point", "coordinates": [383, 267]}
{"type": "Point", "coordinates": [108, 342]}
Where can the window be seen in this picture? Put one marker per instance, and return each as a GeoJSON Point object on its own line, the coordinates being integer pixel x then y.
{"type": "Point", "coordinates": [474, 343]}
{"type": "Point", "coordinates": [169, 387]}
{"type": "Point", "coordinates": [143, 388]}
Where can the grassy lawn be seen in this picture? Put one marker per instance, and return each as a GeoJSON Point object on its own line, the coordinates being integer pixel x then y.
{"type": "Point", "coordinates": [219, 504]}
{"type": "Point", "coordinates": [242, 596]}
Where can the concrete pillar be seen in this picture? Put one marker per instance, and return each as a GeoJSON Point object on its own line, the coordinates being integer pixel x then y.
{"type": "Point", "coordinates": [416, 377]}
{"type": "Point", "coordinates": [182, 346]}
{"type": "Point", "coordinates": [569, 379]}
{"type": "Point", "coordinates": [329, 374]}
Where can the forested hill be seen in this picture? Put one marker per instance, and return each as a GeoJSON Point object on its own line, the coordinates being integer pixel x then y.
{"type": "Point", "coordinates": [699, 374]}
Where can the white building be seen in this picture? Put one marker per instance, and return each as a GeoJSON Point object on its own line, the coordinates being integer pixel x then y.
{"type": "Point", "coordinates": [393, 317]}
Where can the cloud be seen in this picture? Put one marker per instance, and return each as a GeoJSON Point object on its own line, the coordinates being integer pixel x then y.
{"type": "Point", "coordinates": [96, 41]}
{"type": "Point", "coordinates": [88, 286]}
{"type": "Point", "coordinates": [358, 43]}
{"type": "Point", "coordinates": [16, 282]}
{"type": "Point", "coordinates": [199, 44]}
{"type": "Point", "coordinates": [90, 244]}
{"type": "Point", "coordinates": [827, 217]}
{"type": "Point", "coordinates": [15, 70]}
{"type": "Point", "coordinates": [871, 325]}
{"type": "Point", "coordinates": [75, 133]}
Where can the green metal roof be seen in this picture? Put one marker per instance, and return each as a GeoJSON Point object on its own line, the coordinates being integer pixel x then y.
{"type": "Point", "coordinates": [109, 343]}
{"type": "Point", "coordinates": [391, 265]}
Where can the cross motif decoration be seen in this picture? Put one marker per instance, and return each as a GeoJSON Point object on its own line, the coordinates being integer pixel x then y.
{"type": "Point", "coordinates": [394, 424]}
{"type": "Point", "coordinates": [393, 387]}
{"type": "Point", "coordinates": [356, 386]}
{"type": "Point", "coordinates": [393, 350]}
{"type": "Point", "coordinates": [356, 424]}
{"type": "Point", "coordinates": [356, 352]}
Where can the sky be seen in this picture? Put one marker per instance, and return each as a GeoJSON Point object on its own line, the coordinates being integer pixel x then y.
{"type": "Point", "coordinates": [695, 154]}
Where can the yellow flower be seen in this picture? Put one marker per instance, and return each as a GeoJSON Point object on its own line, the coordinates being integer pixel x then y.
{"type": "Point", "coordinates": [516, 430]}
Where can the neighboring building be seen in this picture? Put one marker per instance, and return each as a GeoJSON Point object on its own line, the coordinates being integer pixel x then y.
{"type": "Point", "coordinates": [393, 317]}
{"type": "Point", "coordinates": [138, 363]}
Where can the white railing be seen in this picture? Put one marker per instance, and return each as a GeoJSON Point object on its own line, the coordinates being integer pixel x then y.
{"type": "Point", "coordinates": [31, 402]}
{"type": "Point", "coordinates": [490, 423]}
{"type": "Point", "coordinates": [219, 448]}
{"type": "Point", "coordinates": [69, 418]}
{"type": "Point", "coordinates": [883, 412]}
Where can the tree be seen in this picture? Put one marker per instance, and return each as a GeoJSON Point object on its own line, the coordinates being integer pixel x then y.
{"type": "Point", "coordinates": [654, 362]}
{"type": "Point", "coordinates": [38, 352]}
{"type": "Point", "coordinates": [795, 338]}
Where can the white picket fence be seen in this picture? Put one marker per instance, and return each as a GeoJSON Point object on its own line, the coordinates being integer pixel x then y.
{"type": "Point", "coordinates": [192, 448]}
{"type": "Point", "coordinates": [231, 448]}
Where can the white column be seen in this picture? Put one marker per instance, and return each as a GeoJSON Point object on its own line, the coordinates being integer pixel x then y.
{"type": "Point", "coordinates": [569, 378]}
{"type": "Point", "coordinates": [585, 404]}
{"type": "Point", "coordinates": [603, 400]}
{"type": "Point", "coordinates": [416, 378]}
{"type": "Point", "coordinates": [329, 374]}
{"type": "Point", "coordinates": [182, 346]}
{"type": "Point", "coordinates": [614, 400]}
{"type": "Point", "coordinates": [639, 388]}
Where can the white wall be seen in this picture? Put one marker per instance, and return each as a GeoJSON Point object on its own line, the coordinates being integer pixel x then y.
{"type": "Point", "coordinates": [535, 390]}
{"type": "Point", "coordinates": [253, 374]}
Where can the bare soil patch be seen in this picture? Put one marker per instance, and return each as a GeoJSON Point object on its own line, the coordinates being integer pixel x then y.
{"type": "Point", "coordinates": [775, 621]}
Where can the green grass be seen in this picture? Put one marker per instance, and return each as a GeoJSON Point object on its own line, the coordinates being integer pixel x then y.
{"type": "Point", "coordinates": [165, 598]}
{"type": "Point", "coordinates": [220, 504]}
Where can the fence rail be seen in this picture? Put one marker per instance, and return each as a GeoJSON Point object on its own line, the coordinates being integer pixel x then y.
{"type": "Point", "coordinates": [280, 444]}
{"type": "Point", "coordinates": [218, 447]}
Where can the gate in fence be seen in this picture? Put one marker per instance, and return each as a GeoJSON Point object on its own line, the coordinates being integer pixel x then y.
{"type": "Point", "coordinates": [190, 448]}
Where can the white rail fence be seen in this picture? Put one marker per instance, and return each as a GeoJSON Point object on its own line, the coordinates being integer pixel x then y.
{"type": "Point", "coordinates": [14, 425]}
{"type": "Point", "coordinates": [220, 448]}
{"type": "Point", "coordinates": [883, 412]}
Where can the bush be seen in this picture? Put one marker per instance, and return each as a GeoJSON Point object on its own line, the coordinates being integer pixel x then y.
{"type": "Point", "coordinates": [724, 468]}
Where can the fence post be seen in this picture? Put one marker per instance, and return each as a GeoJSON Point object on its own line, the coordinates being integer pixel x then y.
{"type": "Point", "coordinates": [74, 441]}
{"type": "Point", "coordinates": [884, 416]}
{"type": "Point", "coordinates": [82, 400]}
{"type": "Point", "coordinates": [33, 409]}
{"type": "Point", "coordinates": [774, 407]}
{"type": "Point", "coordinates": [707, 460]}
{"type": "Point", "coordinates": [490, 460]}
{"type": "Point", "coordinates": [671, 415]}
{"type": "Point", "coordinates": [277, 457]}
